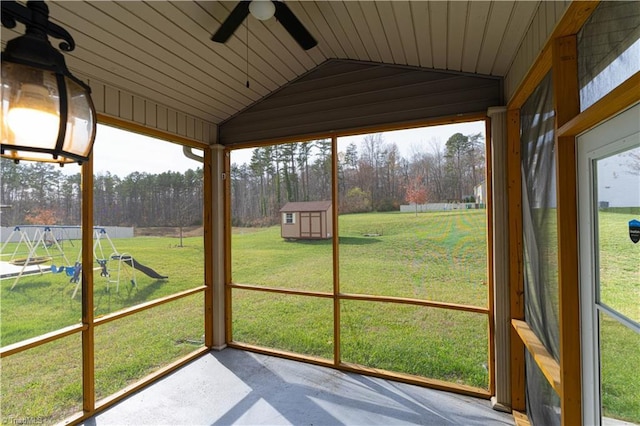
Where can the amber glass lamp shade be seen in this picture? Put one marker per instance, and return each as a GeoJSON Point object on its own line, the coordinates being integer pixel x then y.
{"type": "Point", "coordinates": [47, 113]}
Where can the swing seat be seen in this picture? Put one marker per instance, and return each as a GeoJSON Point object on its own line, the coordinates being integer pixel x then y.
{"type": "Point", "coordinates": [36, 260]}
{"type": "Point", "coordinates": [104, 272]}
{"type": "Point", "coordinates": [57, 269]}
{"type": "Point", "coordinates": [77, 270]}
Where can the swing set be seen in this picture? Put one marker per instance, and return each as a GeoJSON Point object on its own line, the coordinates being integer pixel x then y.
{"type": "Point", "coordinates": [41, 248]}
{"type": "Point", "coordinates": [44, 245]}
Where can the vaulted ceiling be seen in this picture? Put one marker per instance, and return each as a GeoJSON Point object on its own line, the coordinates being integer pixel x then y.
{"type": "Point", "coordinates": [162, 50]}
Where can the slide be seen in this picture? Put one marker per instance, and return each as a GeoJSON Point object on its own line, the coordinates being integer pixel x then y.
{"type": "Point", "coordinates": [144, 269]}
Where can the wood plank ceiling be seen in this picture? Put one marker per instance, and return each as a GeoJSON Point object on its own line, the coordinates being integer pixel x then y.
{"type": "Point", "coordinates": [162, 51]}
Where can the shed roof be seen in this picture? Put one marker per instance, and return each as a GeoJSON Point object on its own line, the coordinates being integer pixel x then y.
{"type": "Point", "coordinates": [306, 206]}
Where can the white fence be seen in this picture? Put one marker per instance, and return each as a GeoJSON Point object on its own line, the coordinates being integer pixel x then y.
{"type": "Point", "coordinates": [439, 207]}
{"type": "Point", "coordinates": [60, 232]}
{"type": "Point", "coordinates": [431, 207]}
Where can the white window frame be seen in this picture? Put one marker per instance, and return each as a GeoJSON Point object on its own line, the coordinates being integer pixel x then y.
{"type": "Point", "coordinates": [608, 138]}
{"type": "Point", "coordinates": [287, 216]}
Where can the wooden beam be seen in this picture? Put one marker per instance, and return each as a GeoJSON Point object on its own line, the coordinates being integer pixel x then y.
{"type": "Point", "coordinates": [622, 97]}
{"type": "Point", "coordinates": [568, 282]}
{"type": "Point", "coordinates": [521, 419]}
{"type": "Point", "coordinates": [567, 106]}
{"type": "Point", "coordinates": [136, 386]}
{"type": "Point", "coordinates": [369, 371]}
{"type": "Point", "coordinates": [88, 358]}
{"type": "Point", "coordinates": [573, 19]}
{"type": "Point", "coordinates": [516, 277]}
{"type": "Point", "coordinates": [337, 357]}
{"type": "Point", "coordinates": [278, 290]}
{"type": "Point", "coordinates": [439, 121]}
{"type": "Point", "coordinates": [536, 73]}
{"type": "Point", "coordinates": [34, 342]}
{"type": "Point", "coordinates": [565, 79]}
{"type": "Point", "coordinates": [146, 305]}
{"type": "Point", "coordinates": [416, 302]}
{"type": "Point", "coordinates": [546, 362]}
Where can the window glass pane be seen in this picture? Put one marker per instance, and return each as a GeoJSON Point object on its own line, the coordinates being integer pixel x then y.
{"type": "Point", "coordinates": [148, 235]}
{"type": "Point", "coordinates": [40, 243]}
{"type": "Point", "coordinates": [435, 343]}
{"type": "Point", "coordinates": [130, 348]}
{"type": "Point", "coordinates": [282, 218]}
{"type": "Point", "coordinates": [618, 180]}
{"type": "Point", "coordinates": [42, 385]}
{"type": "Point", "coordinates": [608, 49]}
{"type": "Point", "coordinates": [619, 370]}
{"type": "Point", "coordinates": [302, 324]}
{"type": "Point", "coordinates": [415, 198]}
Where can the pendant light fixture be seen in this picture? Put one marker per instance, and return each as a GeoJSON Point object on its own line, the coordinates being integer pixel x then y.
{"type": "Point", "coordinates": [47, 113]}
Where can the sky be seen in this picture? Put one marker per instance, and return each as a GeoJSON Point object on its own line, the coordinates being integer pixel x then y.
{"type": "Point", "coordinates": [409, 141]}
{"type": "Point", "coordinates": [121, 152]}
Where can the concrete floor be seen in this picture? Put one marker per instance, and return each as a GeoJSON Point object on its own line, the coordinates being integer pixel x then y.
{"type": "Point", "coordinates": [234, 387]}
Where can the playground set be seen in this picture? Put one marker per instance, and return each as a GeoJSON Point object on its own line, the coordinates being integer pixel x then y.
{"type": "Point", "coordinates": [35, 253]}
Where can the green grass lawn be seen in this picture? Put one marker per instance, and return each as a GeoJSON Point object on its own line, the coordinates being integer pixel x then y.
{"type": "Point", "coordinates": [50, 294]}
{"type": "Point", "coordinates": [437, 256]}
{"type": "Point", "coordinates": [620, 290]}
{"type": "Point", "coordinates": [45, 382]}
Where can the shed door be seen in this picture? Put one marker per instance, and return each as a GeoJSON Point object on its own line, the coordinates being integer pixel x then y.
{"type": "Point", "coordinates": [310, 225]}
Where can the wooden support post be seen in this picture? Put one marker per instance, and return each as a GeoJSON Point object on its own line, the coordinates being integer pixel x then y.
{"type": "Point", "coordinates": [88, 361]}
{"type": "Point", "coordinates": [567, 106]}
{"type": "Point", "coordinates": [336, 252]}
{"type": "Point", "coordinates": [516, 278]}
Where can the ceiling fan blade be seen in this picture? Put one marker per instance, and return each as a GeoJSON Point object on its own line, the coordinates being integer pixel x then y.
{"type": "Point", "coordinates": [233, 21]}
{"type": "Point", "coordinates": [293, 25]}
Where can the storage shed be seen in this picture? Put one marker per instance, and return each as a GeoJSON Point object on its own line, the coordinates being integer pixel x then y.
{"type": "Point", "coordinates": [306, 220]}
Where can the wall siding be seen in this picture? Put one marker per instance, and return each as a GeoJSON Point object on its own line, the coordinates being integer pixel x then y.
{"type": "Point", "coordinates": [342, 95]}
{"type": "Point", "coordinates": [139, 111]}
{"type": "Point", "coordinates": [543, 24]}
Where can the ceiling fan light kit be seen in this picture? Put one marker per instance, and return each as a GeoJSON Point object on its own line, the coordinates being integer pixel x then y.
{"type": "Point", "coordinates": [263, 10]}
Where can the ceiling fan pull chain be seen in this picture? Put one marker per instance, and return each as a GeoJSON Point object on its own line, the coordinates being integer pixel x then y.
{"type": "Point", "coordinates": [247, 25]}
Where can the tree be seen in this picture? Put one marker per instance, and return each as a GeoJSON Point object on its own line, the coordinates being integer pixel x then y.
{"type": "Point", "coordinates": [457, 147]}
{"type": "Point", "coordinates": [475, 158]}
{"type": "Point", "coordinates": [416, 192]}
{"type": "Point", "coordinates": [322, 170]}
{"type": "Point", "coordinates": [41, 217]}
{"type": "Point", "coordinates": [304, 151]}
{"type": "Point", "coordinates": [465, 159]}
{"type": "Point", "coordinates": [287, 156]}
{"type": "Point", "coordinates": [373, 156]}
{"type": "Point", "coordinates": [356, 201]}
{"type": "Point", "coordinates": [633, 162]}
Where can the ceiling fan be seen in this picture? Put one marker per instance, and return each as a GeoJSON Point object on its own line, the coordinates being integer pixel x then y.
{"type": "Point", "coordinates": [263, 10]}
